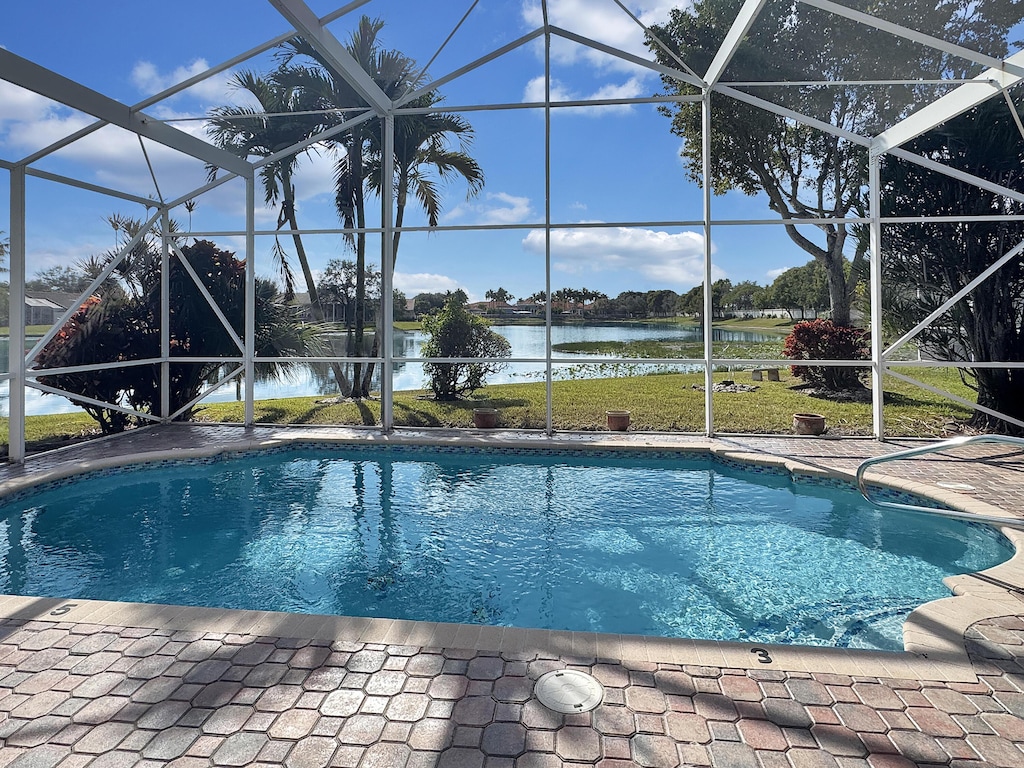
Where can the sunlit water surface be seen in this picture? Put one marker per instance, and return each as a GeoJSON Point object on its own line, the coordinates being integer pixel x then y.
{"type": "Point", "coordinates": [669, 547]}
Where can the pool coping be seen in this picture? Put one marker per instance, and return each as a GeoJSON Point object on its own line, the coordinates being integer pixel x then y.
{"type": "Point", "coordinates": [934, 644]}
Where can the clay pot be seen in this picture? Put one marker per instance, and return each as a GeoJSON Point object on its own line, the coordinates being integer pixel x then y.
{"type": "Point", "coordinates": [808, 423]}
{"type": "Point", "coordinates": [485, 418]}
{"type": "Point", "coordinates": [618, 421]}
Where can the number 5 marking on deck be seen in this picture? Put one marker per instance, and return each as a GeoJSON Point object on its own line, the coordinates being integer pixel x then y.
{"type": "Point", "coordinates": [63, 609]}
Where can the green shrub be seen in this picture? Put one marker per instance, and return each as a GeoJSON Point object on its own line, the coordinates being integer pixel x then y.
{"type": "Point", "coordinates": [454, 332]}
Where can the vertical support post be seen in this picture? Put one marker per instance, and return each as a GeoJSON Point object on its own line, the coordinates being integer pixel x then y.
{"type": "Point", "coordinates": [386, 324]}
{"type": "Point", "coordinates": [548, 381]}
{"type": "Point", "coordinates": [165, 318]}
{"type": "Point", "coordinates": [709, 382]}
{"type": "Point", "coordinates": [249, 362]}
{"type": "Point", "coordinates": [16, 349]}
{"type": "Point", "coordinates": [877, 349]}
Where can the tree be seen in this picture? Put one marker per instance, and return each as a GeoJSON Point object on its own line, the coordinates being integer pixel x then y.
{"type": "Point", "coordinates": [454, 332]}
{"type": "Point", "coordinates": [500, 296]}
{"type": "Point", "coordinates": [632, 303]}
{"type": "Point", "coordinates": [427, 303]}
{"type": "Point", "coordinates": [61, 279]}
{"type": "Point", "coordinates": [926, 263]}
{"type": "Point", "coordinates": [5, 247]}
{"type": "Point", "coordinates": [802, 288]}
{"type": "Point", "coordinates": [743, 296]}
{"type": "Point", "coordinates": [120, 327]}
{"type": "Point", "coordinates": [338, 287]}
{"type": "Point", "coordinates": [806, 173]}
{"type": "Point", "coordinates": [421, 147]}
{"type": "Point", "coordinates": [661, 303]}
{"type": "Point", "coordinates": [399, 303]}
{"type": "Point", "coordinates": [692, 302]}
{"type": "Point", "coordinates": [249, 132]}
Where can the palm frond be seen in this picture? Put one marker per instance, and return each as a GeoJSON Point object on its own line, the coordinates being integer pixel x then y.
{"type": "Point", "coordinates": [284, 269]}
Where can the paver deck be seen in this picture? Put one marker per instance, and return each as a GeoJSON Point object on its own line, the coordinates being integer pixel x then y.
{"type": "Point", "coordinates": [86, 683]}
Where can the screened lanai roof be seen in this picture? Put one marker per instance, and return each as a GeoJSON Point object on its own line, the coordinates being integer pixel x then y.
{"type": "Point", "coordinates": [99, 107]}
{"type": "Point", "coordinates": [480, 54]}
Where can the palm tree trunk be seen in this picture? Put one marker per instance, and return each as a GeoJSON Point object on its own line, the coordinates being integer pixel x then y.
{"type": "Point", "coordinates": [403, 183]}
{"type": "Point", "coordinates": [344, 386]}
{"type": "Point", "coordinates": [359, 390]}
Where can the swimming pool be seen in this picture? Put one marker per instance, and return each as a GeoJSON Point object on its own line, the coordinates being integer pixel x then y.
{"type": "Point", "coordinates": [656, 543]}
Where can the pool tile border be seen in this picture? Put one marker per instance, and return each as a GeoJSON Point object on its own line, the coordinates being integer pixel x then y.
{"type": "Point", "coordinates": [933, 634]}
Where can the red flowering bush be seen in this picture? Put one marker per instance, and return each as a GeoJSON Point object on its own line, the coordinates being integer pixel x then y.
{"type": "Point", "coordinates": [824, 340]}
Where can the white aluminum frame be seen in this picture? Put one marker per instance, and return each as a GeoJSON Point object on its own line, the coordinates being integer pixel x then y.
{"type": "Point", "coordinates": [994, 82]}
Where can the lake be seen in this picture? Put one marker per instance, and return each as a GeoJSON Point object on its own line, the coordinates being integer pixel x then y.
{"type": "Point", "coordinates": [526, 341]}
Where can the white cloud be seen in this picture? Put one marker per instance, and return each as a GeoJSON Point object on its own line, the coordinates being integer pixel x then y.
{"type": "Point", "coordinates": [495, 208]}
{"type": "Point", "coordinates": [630, 89]}
{"type": "Point", "coordinates": [413, 284]}
{"type": "Point", "coordinates": [22, 104]}
{"type": "Point", "coordinates": [672, 260]}
{"type": "Point", "coordinates": [604, 22]}
{"type": "Point", "coordinates": [214, 89]}
{"type": "Point", "coordinates": [774, 273]}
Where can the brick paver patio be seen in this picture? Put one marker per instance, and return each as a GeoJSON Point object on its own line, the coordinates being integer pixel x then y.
{"type": "Point", "coordinates": [91, 693]}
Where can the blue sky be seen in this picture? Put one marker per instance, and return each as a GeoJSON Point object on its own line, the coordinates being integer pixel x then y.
{"type": "Point", "coordinates": [609, 163]}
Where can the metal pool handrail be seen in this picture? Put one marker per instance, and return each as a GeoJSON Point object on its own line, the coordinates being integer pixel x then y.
{"type": "Point", "coordinates": [936, 448]}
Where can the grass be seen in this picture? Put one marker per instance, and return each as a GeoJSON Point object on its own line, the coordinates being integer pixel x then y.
{"type": "Point", "coordinates": [782, 325]}
{"type": "Point", "coordinates": [30, 330]}
{"type": "Point", "coordinates": [658, 402]}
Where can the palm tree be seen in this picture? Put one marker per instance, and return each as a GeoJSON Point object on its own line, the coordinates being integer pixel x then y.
{"type": "Point", "coordinates": [5, 246]}
{"type": "Point", "coordinates": [422, 149]}
{"type": "Point", "coordinates": [394, 73]}
{"type": "Point", "coordinates": [422, 153]}
{"type": "Point", "coordinates": [249, 132]}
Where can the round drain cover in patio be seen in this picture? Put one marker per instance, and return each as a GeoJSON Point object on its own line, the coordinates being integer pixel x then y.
{"type": "Point", "coordinates": [569, 690]}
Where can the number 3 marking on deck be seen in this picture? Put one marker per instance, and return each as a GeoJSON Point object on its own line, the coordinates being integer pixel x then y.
{"type": "Point", "coordinates": [63, 609]}
{"type": "Point", "coordinates": [762, 655]}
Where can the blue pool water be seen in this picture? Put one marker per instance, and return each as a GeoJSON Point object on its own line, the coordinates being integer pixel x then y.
{"type": "Point", "coordinates": [627, 544]}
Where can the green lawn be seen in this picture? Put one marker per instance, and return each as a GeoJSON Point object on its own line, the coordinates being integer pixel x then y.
{"type": "Point", "coordinates": [659, 402]}
{"type": "Point", "coordinates": [30, 330]}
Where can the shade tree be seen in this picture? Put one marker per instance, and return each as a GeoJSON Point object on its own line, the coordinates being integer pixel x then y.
{"type": "Point", "coordinates": [806, 174]}
{"type": "Point", "coordinates": [926, 263]}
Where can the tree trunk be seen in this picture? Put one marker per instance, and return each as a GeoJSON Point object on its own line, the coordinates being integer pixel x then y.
{"type": "Point", "coordinates": [358, 388]}
{"type": "Point", "coordinates": [995, 337]}
{"type": "Point", "coordinates": [837, 293]}
{"type": "Point", "coordinates": [999, 389]}
{"type": "Point", "coordinates": [399, 218]}
{"type": "Point", "coordinates": [344, 386]}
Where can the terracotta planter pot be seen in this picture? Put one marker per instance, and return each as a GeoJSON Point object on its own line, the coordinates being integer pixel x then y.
{"type": "Point", "coordinates": [485, 418]}
{"type": "Point", "coordinates": [808, 423]}
{"type": "Point", "coordinates": [618, 421]}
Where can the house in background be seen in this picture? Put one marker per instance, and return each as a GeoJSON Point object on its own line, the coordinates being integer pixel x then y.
{"type": "Point", "coordinates": [47, 307]}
